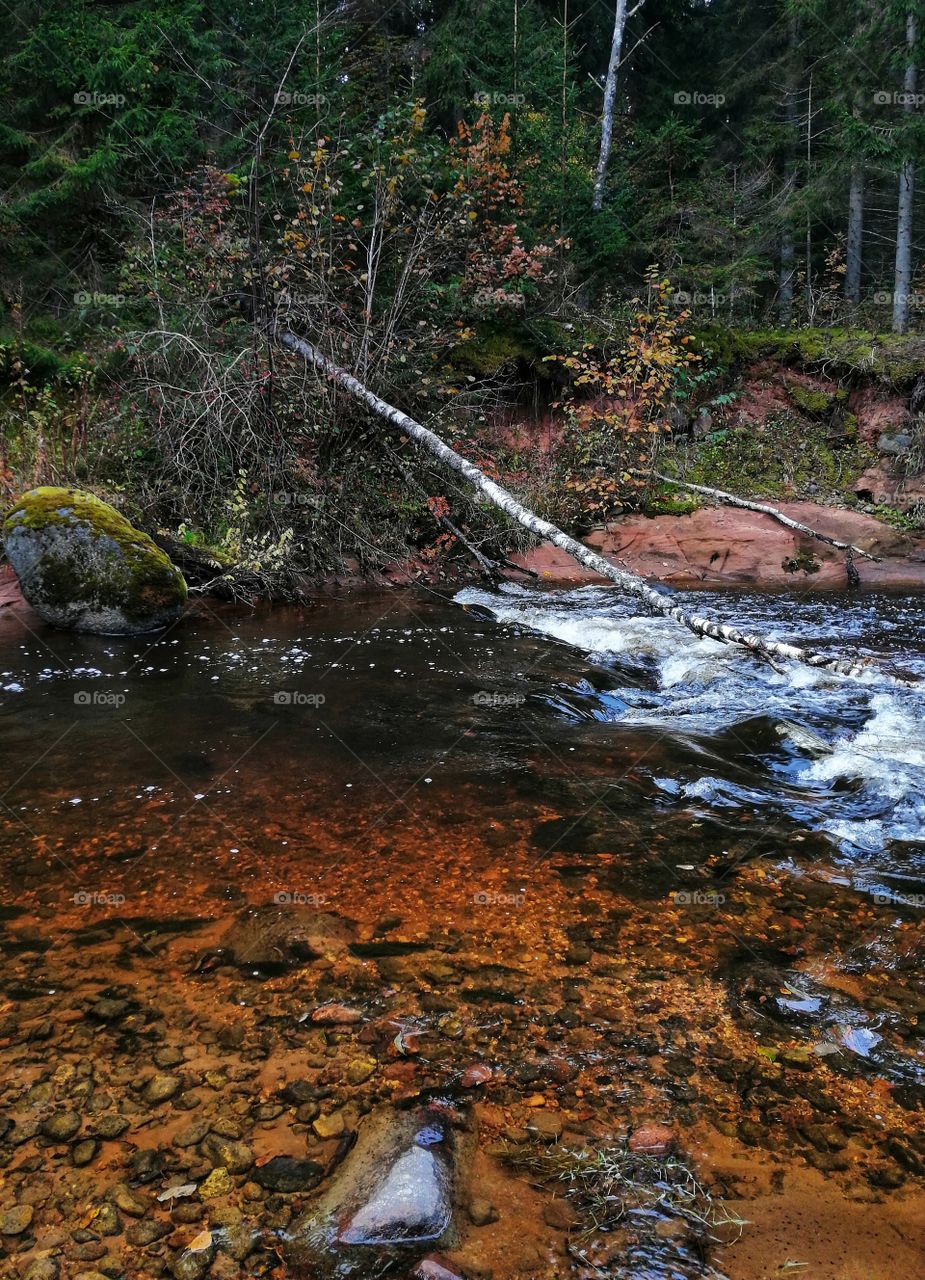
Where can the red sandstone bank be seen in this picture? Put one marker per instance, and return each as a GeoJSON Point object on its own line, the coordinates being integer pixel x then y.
{"type": "Point", "coordinates": [732, 547]}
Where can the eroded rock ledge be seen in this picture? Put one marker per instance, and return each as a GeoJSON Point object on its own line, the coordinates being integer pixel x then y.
{"type": "Point", "coordinates": [731, 547]}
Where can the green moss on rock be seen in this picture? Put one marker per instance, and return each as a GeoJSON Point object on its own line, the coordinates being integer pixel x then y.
{"type": "Point", "coordinates": [810, 400]}
{"type": "Point", "coordinates": [782, 458]}
{"type": "Point", "coordinates": [666, 501]}
{"type": "Point", "coordinates": [495, 347]}
{"type": "Point", "coordinates": [894, 359]}
{"type": "Point", "coordinates": [83, 566]}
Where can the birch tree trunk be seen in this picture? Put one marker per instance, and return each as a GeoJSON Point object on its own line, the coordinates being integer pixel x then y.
{"type": "Point", "coordinates": [902, 280]}
{"type": "Point", "coordinates": [657, 600]}
{"type": "Point", "coordinates": [610, 97]}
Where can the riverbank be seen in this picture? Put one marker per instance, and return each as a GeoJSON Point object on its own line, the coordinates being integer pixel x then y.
{"type": "Point", "coordinates": [709, 547]}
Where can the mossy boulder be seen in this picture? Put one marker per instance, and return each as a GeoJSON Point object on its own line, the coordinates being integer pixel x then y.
{"type": "Point", "coordinates": [82, 566]}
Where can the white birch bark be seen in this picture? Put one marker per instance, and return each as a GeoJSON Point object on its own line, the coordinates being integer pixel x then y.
{"type": "Point", "coordinates": [610, 98]}
{"type": "Point", "coordinates": [902, 279]}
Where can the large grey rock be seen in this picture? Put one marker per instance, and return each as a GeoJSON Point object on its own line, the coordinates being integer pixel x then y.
{"type": "Point", "coordinates": [397, 1191]}
{"type": "Point", "coordinates": [895, 443]}
{"type": "Point", "coordinates": [82, 566]}
{"type": "Point", "coordinates": [411, 1205]}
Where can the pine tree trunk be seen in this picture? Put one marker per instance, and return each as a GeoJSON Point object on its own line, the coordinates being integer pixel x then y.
{"type": "Point", "coordinates": [854, 247]}
{"type": "Point", "coordinates": [656, 600]}
{"type": "Point", "coordinates": [785, 288]}
{"type": "Point", "coordinates": [610, 97]}
{"type": "Point", "coordinates": [902, 279]}
{"type": "Point", "coordinates": [787, 248]}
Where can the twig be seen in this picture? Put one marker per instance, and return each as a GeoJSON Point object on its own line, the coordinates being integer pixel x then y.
{"type": "Point", "coordinates": [490, 567]}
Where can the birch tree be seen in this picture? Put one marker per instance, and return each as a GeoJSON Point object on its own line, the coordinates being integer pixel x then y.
{"type": "Point", "coordinates": [610, 97]}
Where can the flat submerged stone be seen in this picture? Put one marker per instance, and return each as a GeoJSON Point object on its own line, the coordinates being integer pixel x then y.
{"type": "Point", "coordinates": [275, 938]}
{"type": "Point", "coordinates": [398, 1190]}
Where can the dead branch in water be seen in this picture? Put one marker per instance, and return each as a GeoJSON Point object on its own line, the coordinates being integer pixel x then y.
{"type": "Point", "coordinates": [655, 599]}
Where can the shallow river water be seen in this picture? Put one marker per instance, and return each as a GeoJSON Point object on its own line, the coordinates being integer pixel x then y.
{"type": "Point", "coordinates": [592, 883]}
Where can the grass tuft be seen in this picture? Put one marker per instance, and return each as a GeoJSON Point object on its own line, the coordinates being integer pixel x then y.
{"type": "Point", "coordinates": [608, 1184]}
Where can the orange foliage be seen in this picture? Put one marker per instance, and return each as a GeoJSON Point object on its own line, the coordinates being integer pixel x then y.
{"type": "Point", "coordinates": [617, 404]}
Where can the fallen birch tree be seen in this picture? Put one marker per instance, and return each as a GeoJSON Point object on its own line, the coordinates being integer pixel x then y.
{"type": "Point", "coordinates": [657, 600]}
{"type": "Point", "coordinates": [731, 500]}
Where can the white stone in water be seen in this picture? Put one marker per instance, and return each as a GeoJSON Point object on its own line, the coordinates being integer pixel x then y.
{"type": "Point", "coordinates": [397, 1188]}
{"type": "Point", "coordinates": [411, 1204]}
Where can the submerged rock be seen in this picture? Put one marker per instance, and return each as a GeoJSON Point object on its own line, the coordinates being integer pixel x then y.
{"type": "Point", "coordinates": [399, 1189]}
{"type": "Point", "coordinates": [331, 1125]}
{"type": "Point", "coordinates": [545, 1126]}
{"type": "Point", "coordinates": [434, 1267]}
{"type": "Point", "coordinates": [61, 1126]}
{"type": "Point", "coordinates": [15, 1221]}
{"type": "Point", "coordinates": [336, 1015]}
{"type": "Point", "coordinates": [803, 739]}
{"type": "Point", "coordinates": [652, 1139]}
{"type": "Point", "coordinates": [227, 1153]}
{"type": "Point", "coordinates": [82, 566]}
{"type": "Point", "coordinates": [161, 1088]}
{"type": "Point", "coordinates": [476, 1074]}
{"type": "Point", "coordinates": [280, 937]}
{"type": "Point", "coordinates": [287, 1173]}
{"type": "Point", "coordinates": [218, 1183]}
{"type": "Point", "coordinates": [42, 1269]}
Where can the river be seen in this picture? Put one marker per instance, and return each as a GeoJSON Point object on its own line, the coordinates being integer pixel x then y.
{"type": "Point", "coordinates": [585, 875]}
